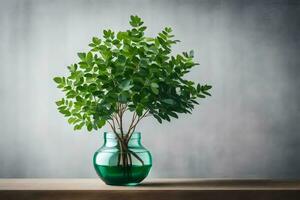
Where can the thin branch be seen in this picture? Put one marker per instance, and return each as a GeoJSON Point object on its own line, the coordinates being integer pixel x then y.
{"type": "Point", "coordinates": [137, 157]}
{"type": "Point", "coordinates": [132, 122]}
{"type": "Point", "coordinates": [116, 117]}
{"type": "Point", "coordinates": [113, 121]}
{"type": "Point", "coordinates": [134, 126]}
{"type": "Point", "coordinates": [112, 126]}
{"type": "Point", "coordinates": [121, 121]}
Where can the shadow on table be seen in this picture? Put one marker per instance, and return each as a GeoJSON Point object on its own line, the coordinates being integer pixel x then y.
{"type": "Point", "coordinates": [170, 183]}
{"type": "Point", "coordinates": [215, 183]}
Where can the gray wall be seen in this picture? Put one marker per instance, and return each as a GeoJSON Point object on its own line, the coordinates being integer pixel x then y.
{"type": "Point", "coordinates": [248, 50]}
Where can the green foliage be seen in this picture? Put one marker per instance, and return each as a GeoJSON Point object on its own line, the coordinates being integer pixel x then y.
{"type": "Point", "coordinates": [128, 68]}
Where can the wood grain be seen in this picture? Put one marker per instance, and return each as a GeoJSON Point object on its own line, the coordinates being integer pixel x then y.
{"type": "Point", "coordinates": [158, 189]}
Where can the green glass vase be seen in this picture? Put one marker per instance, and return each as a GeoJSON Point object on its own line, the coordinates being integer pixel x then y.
{"type": "Point", "coordinates": [117, 165]}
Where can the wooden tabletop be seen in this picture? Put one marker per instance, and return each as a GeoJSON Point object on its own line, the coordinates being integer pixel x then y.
{"type": "Point", "coordinates": [157, 189]}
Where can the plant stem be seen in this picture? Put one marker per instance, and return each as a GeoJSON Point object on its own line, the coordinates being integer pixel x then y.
{"type": "Point", "coordinates": [123, 139]}
{"type": "Point", "coordinates": [132, 129]}
{"type": "Point", "coordinates": [120, 114]}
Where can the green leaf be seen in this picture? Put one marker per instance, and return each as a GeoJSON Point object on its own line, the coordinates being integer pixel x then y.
{"type": "Point", "coordinates": [206, 87]}
{"type": "Point", "coordinates": [59, 103]}
{"type": "Point", "coordinates": [57, 79]}
{"type": "Point", "coordinates": [71, 94]}
{"type": "Point", "coordinates": [71, 120]}
{"type": "Point", "coordinates": [173, 114]}
{"type": "Point", "coordinates": [135, 21]}
{"type": "Point", "coordinates": [89, 126]}
{"type": "Point", "coordinates": [158, 118]}
{"type": "Point", "coordinates": [101, 123]}
{"type": "Point", "coordinates": [169, 101]}
{"type": "Point", "coordinates": [167, 117]}
{"type": "Point", "coordinates": [144, 63]}
{"type": "Point", "coordinates": [96, 40]}
{"type": "Point", "coordinates": [122, 98]}
{"type": "Point", "coordinates": [125, 85]}
{"type": "Point", "coordinates": [154, 88]}
{"type": "Point", "coordinates": [195, 102]}
{"type": "Point", "coordinates": [201, 96]}
{"type": "Point", "coordinates": [66, 113]}
{"type": "Point", "coordinates": [92, 45]}
{"type": "Point", "coordinates": [121, 60]}
{"type": "Point", "coordinates": [89, 58]}
{"type": "Point", "coordinates": [154, 85]}
{"type": "Point", "coordinates": [198, 88]}
{"type": "Point", "coordinates": [115, 42]}
{"type": "Point", "coordinates": [143, 28]}
{"type": "Point", "coordinates": [168, 29]}
{"type": "Point", "coordinates": [122, 35]}
{"type": "Point", "coordinates": [81, 56]}
{"type": "Point", "coordinates": [207, 93]}
{"type": "Point", "coordinates": [79, 126]}
{"type": "Point", "coordinates": [72, 68]}
{"type": "Point", "coordinates": [139, 109]}
{"type": "Point", "coordinates": [106, 33]}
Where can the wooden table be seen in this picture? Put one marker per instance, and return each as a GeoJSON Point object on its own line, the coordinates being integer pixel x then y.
{"type": "Point", "coordinates": [155, 189]}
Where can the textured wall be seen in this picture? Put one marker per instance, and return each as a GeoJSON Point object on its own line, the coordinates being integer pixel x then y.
{"type": "Point", "coordinates": [248, 50]}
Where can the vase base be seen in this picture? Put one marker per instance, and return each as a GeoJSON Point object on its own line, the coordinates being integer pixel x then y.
{"type": "Point", "coordinates": [126, 176]}
{"type": "Point", "coordinates": [125, 184]}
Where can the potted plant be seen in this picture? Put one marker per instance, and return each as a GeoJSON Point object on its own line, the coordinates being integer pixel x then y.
{"type": "Point", "coordinates": [127, 76]}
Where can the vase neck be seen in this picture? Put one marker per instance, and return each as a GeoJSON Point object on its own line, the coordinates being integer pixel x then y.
{"type": "Point", "coordinates": [111, 139]}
